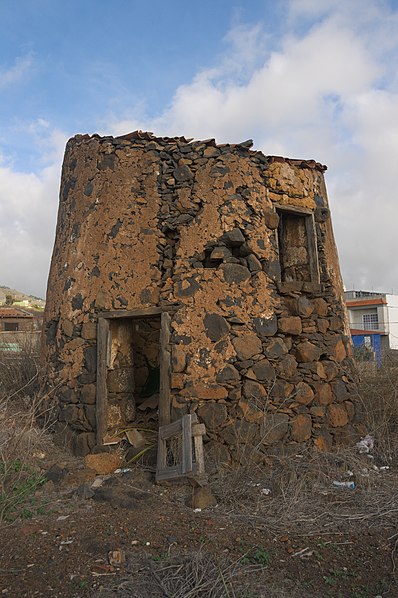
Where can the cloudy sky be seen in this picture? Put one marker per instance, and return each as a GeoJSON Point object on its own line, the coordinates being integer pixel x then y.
{"type": "Point", "coordinates": [303, 78]}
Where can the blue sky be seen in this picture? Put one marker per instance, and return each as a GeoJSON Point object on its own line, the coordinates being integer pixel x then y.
{"type": "Point", "coordinates": [303, 78]}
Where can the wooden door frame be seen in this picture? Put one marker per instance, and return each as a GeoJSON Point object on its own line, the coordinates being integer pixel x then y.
{"type": "Point", "coordinates": [103, 346]}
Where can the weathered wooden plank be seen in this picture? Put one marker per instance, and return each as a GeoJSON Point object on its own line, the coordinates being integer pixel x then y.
{"type": "Point", "coordinates": [169, 473]}
{"type": "Point", "coordinates": [312, 248]}
{"type": "Point", "coordinates": [101, 399]}
{"type": "Point", "coordinates": [131, 313]}
{"type": "Point", "coordinates": [187, 444]}
{"type": "Point", "coordinates": [198, 430]}
{"type": "Point", "coordinates": [164, 389]}
{"type": "Point", "coordinates": [161, 462]}
{"type": "Point", "coordinates": [170, 429]}
{"type": "Point", "coordinates": [199, 456]}
{"type": "Point", "coordinates": [294, 209]}
{"type": "Point", "coordinates": [185, 429]}
{"type": "Point", "coordinates": [109, 348]}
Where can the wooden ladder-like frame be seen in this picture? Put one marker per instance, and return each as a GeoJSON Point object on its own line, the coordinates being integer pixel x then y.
{"type": "Point", "coordinates": [187, 428]}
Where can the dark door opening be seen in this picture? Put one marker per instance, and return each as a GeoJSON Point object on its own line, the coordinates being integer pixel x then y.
{"type": "Point", "coordinates": [132, 375]}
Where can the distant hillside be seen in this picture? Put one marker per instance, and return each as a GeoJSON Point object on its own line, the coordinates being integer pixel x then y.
{"type": "Point", "coordinates": [20, 298]}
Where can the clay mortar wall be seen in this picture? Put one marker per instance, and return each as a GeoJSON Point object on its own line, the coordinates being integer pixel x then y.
{"type": "Point", "coordinates": [193, 228]}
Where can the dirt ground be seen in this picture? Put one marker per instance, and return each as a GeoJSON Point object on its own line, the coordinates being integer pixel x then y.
{"type": "Point", "coordinates": [265, 538]}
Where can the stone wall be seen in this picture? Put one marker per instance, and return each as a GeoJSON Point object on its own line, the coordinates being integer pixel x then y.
{"type": "Point", "coordinates": [238, 248]}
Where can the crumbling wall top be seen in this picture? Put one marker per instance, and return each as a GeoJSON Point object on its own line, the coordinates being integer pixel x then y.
{"type": "Point", "coordinates": [139, 136]}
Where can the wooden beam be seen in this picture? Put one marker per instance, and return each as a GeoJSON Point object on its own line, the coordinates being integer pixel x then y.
{"type": "Point", "coordinates": [133, 313]}
{"type": "Point", "coordinates": [169, 473]}
{"type": "Point", "coordinates": [169, 430]}
{"type": "Point", "coordinates": [165, 358]}
{"type": "Point", "coordinates": [312, 248]}
{"type": "Point", "coordinates": [186, 444]}
{"type": "Point", "coordinates": [293, 209]}
{"type": "Point", "coordinates": [101, 398]}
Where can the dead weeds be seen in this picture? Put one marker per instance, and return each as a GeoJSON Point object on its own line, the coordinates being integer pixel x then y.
{"type": "Point", "coordinates": [23, 444]}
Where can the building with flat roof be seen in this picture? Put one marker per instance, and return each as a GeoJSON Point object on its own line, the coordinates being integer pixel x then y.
{"type": "Point", "coordinates": [373, 320]}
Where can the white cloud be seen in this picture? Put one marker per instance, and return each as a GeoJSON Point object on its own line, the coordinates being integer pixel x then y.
{"type": "Point", "coordinates": [289, 91]}
{"type": "Point", "coordinates": [16, 72]}
{"type": "Point", "coordinates": [28, 207]}
{"type": "Point", "coordinates": [325, 87]}
{"type": "Point", "coordinates": [328, 93]}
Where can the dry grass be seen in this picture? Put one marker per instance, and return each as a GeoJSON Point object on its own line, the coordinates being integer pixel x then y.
{"type": "Point", "coordinates": [379, 396]}
{"type": "Point", "coordinates": [198, 575]}
{"type": "Point", "coordinates": [302, 498]}
{"type": "Point", "coordinates": [19, 369]}
{"type": "Point", "coordinates": [22, 441]}
{"type": "Point", "coordinates": [190, 575]}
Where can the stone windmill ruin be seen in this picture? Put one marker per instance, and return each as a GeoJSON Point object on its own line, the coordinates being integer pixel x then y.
{"type": "Point", "coordinates": [195, 279]}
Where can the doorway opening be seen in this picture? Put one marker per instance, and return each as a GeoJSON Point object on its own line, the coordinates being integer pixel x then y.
{"type": "Point", "coordinates": [132, 377]}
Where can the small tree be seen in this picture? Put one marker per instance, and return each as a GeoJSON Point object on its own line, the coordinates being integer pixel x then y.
{"type": "Point", "coordinates": [9, 299]}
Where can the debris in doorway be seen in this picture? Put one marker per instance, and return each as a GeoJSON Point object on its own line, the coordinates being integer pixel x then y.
{"type": "Point", "coordinates": [112, 439]}
{"type": "Point", "coordinates": [140, 454]}
{"type": "Point", "coordinates": [135, 438]}
{"type": "Point", "coordinates": [149, 403]}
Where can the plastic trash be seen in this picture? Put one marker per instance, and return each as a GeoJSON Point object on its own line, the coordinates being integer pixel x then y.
{"type": "Point", "coordinates": [366, 444]}
{"type": "Point", "coordinates": [347, 485]}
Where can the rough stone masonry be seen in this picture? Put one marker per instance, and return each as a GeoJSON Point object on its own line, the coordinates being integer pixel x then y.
{"type": "Point", "coordinates": [189, 276]}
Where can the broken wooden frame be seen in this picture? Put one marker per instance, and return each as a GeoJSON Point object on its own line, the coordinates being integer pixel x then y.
{"type": "Point", "coordinates": [103, 361]}
{"type": "Point", "coordinates": [182, 441]}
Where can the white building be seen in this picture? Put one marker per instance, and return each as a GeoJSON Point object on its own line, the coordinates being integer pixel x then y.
{"type": "Point", "coordinates": [373, 319]}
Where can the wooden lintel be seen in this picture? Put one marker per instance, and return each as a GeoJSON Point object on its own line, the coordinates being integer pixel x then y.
{"type": "Point", "coordinates": [291, 208]}
{"type": "Point", "coordinates": [131, 313]}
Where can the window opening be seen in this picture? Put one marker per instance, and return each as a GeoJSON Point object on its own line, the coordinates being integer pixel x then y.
{"type": "Point", "coordinates": [10, 326]}
{"type": "Point", "coordinates": [370, 321]}
{"type": "Point", "coordinates": [297, 247]}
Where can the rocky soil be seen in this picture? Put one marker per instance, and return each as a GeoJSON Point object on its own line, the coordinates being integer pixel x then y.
{"type": "Point", "coordinates": [285, 532]}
